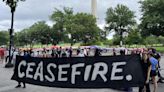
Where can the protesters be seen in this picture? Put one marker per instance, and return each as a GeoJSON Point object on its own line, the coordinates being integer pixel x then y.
{"type": "Point", "coordinates": [85, 52]}
{"type": "Point", "coordinates": [146, 67]}
{"type": "Point", "coordinates": [59, 51]}
{"type": "Point", "coordinates": [53, 53]}
{"type": "Point", "coordinates": [158, 57]}
{"type": "Point", "coordinates": [27, 55]}
{"type": "Point", "coordinates": [64, 53]}
{"type": "Point", "coordinates": [81, 53]}
{"type": "Point", "coordinates": [122, 52]}
{"type": "Point", "coordinates": [153, 72]}
{"type": "Point", "coordinates": [114, 52]}
{"type": "Point", "coordinates": [70, 52]}
{"type": "Point", "coordinates": [2, 54]}
{"type": "Point", "coordinates": [19, 84]}
{"type": "Point", "coordinates": [97, 52]}
{"type": "Point", "coordinates": [78, 51]}
{"type": "Point", "coordinates": [44, 52]}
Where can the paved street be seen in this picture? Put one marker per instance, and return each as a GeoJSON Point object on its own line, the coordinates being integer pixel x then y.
{"type": "Point", "coordinates": [7, 85]}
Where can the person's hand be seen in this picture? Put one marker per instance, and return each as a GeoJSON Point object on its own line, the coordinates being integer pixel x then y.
{"type": "Point", "coordinates": [147, 81]}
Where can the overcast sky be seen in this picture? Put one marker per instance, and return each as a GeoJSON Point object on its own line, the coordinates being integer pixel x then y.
{"type": "Point", "coordinates": [31, 11]}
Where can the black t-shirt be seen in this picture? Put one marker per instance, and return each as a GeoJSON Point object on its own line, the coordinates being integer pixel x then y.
{"type": "Point", "coordinates": [59, 52]}
{"type": "Point", "coordinates": [145, 66]}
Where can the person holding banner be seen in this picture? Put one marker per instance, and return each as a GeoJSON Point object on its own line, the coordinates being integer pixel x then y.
{"type": "Point", "coordinates": [97, 52]}
{"type": "Point", "coordinates": [146, 67]}
{"type": "Point", "coordinates": [27, 54]}
{"type": "Point", "coordinates": [19, 84]}
{"type": "Point", "coordinates": [152, 70]}
{"type": "Point", "coordinates": [158, 57]}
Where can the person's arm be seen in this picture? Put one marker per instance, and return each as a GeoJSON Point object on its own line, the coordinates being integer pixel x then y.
{"type": "Point", "coordinates": [159, 59]}
{"type": "Point", "coordinates": [148, 74]}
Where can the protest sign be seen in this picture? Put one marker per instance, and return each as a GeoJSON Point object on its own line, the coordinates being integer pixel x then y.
{"type": "Point", "coordinates": [81, 72]}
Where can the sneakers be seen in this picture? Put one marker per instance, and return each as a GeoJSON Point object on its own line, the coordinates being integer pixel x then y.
{"type": "Point", "coordinates": [24, 86]}
{"type": "Point", "coordinates": [160, 81]}
{"type": "Point", "coordinates": [162, 78]}
{"type": "Point", "coordinates": [18, 86]}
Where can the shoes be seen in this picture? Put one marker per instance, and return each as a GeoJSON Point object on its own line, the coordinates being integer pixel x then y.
{"type": "Point", "coordinates": [160, 81]}
{"type": "Point", "coordinates": [24, 86]}
{"type": "Point", "coordinates": [18, 86]}
{"type": "Point", "coordinates": [162, 78]}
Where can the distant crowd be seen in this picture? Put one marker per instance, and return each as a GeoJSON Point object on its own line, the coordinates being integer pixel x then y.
{"type": "Point", "coordinates": [57, 52]}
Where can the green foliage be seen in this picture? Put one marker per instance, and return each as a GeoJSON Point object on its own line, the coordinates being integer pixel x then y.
{"type": "Point", "coordinates": [80, 27]}
{"type": "Point", "coordinates": [116, 39]}
{"type": "Point", "coordinates": [60, 19]}
{"type": "Point", "coordinates": [134, 37]}
{"type": "Point", "coordinates": [40, 32]}
{"type": "Point", "coordinates": [120, 19]}
{"type": "Point", "coordinates": [67, 27]}
{"type": "Point", "coordinates": [108, 42]}
{"type": "Point", "coordinates": [4, 37]}
{"type": "Point", "coordinates": [150, 40]}
{"type": "Point", "coordinates": [37, 33]}
{"type": "Point", "coordinates": [22, 38]}
{"type": "Point", "coordinates": [160, 49]}
{"type": "Point", "coordinates": [161, 40]}
{"type": "Point", "coordinates": [92, 43]}
{"type": "Point", "coordinates": [152, 22]}
{"type": "Point", "coordinates": [88, 30]}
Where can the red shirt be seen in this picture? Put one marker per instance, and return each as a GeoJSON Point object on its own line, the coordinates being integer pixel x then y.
{"type": "Point", "coordinates": [2, 52]}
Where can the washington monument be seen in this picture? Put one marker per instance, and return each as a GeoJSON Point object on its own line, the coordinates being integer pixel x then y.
{"type": "Point", "coordinates": [94, 7]}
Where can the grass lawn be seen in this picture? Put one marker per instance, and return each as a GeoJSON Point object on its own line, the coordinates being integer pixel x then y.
{"type": "Point", "coordinates": [160, 49]}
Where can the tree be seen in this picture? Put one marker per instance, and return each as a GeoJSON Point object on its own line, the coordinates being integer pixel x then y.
{"type": "Point", "coordinates": [59, 18]}
{"type": "Point", "coordinates": [134, 37]}
{"type": "Point", "coordinates": [152, 21]}
{"type": "Point", "coordinates": [22, 38]}
{"type": "Point", "coordinates": [4, 37]}
{"type": "Point", "coordinates": [86, 28]}
{"type": "Point", "coordinates": [161, 40]}
{"type": "Point", "coordinates": [116, 39]}
{"type": "Point", "coordinates": [80, 27]}
{"type": "Point", "coordinates": [150, 40]}
{"type": "Point", "coordinates": [40, 32]}
{"type": "Point", "coordinates": [119, 20]}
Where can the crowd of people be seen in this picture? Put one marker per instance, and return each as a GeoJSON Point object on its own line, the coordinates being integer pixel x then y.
{"type": "Point", "coordinates": [61, 52]}
{"type": "Point", "coordinates": [150, 60]}
{"type": "Point", "coordinates": [151, 66]}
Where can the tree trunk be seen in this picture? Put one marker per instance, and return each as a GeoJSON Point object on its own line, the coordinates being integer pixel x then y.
{"type": "Point", "coordinates": [121, 39]}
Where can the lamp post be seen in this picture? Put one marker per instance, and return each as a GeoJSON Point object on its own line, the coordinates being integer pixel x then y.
{"type": "Point", "coordinates": [12, 4]}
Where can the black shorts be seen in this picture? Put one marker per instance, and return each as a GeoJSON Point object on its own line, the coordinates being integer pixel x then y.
{"type": "Point", "coordinates": [153, 73]}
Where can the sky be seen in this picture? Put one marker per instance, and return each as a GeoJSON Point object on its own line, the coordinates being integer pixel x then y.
{"type": "Point", "coordinates": [31, 11]}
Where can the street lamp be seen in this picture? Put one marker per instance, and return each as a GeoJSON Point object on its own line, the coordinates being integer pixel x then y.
{"type": "Point", "coordinates": [12, 4]}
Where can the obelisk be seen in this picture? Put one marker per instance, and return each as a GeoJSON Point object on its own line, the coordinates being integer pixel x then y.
{"type": "Point", "coordinates": [94, 7]}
